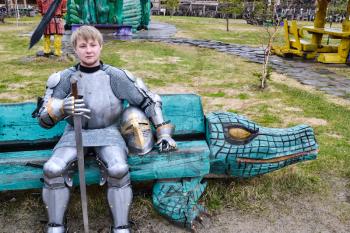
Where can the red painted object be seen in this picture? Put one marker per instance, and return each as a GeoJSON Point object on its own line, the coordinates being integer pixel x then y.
{"type": "Point", "coordinates": [56, 25]}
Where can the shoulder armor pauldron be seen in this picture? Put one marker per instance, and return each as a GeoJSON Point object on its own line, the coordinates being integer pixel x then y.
{"type": "Point", "coordinates": [53, 80]}
{"type": "Point", "coordinates": [115, 72]}
{"type": "Point", "coordinates": [57, 77]}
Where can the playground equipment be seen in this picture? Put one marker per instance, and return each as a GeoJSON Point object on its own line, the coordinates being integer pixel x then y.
{"type": "Point", "coordinates": [296, 44]}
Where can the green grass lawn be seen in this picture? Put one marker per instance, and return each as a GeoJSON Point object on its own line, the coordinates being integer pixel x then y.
{"type": "Point", "coordinates": [226, 83]}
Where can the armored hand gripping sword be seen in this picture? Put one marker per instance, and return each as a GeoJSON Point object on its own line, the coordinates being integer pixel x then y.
{"type": "Point", "coordinates": [80, 155]}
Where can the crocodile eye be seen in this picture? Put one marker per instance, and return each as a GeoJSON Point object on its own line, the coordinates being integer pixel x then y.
{"type": "Point", "coordinates": [239, 134]}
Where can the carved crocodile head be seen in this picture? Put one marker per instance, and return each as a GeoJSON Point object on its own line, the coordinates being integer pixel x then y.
{"type": "Point", "coordinates": [241, 148]}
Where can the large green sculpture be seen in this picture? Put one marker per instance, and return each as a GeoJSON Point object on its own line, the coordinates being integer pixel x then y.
{"type": "Point", "coordinates": [135, 13]}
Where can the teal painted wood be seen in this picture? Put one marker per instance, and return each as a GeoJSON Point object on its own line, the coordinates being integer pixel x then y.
{"type": "Point", "coordinates": [184, 110]}
{"type": "Point", "coordinates": [23, 157]}
{"type": "Point", "coordinates": [268, 149]}
{"type": "Point", "coordinates": [190, 160]}
{"type": "Point", "coordinates": [186, 113]}
{"type": "Point", "coordinates": [131, 13]}
{"type": "Point", "coordinates": [20, 177]}
{"type": "Point", "coordinates": [16, 123]}
{"type": "Point", "coordinates": [178, 200]}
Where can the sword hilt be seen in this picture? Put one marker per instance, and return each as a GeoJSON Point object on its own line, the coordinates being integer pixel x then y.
{"type": "Point", "coordinates": [74, 85]}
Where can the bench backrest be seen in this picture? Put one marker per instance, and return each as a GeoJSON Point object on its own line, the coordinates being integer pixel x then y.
{"type": "Point", "coordinates": [294, 31]}
{"type": "Point", "coordinates": [18, 129]}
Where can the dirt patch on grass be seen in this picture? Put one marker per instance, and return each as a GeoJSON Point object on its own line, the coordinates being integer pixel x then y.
{"type": "Point", "coordinates": [164, 60]}
{"type": "Point", "coordinates": [292, 109]}
{"type": "Point", "coordinates": [334, 135]}
{"type": "Point", "coordinates": [182, 34]}
{"type": "Point", "coordinates": [297, 215]}
{"type": "Point", "coordinates": [279, 78]}
{"type": "Point", "coordinates": [133, 53]}
{"type": "Point", "coordinates": [227, 104]}
{"type": "Point", "coordinates": [307, 120]}
{"type": "Point", "coordinates": [12, 27]}
{"type": "Point", "coordinates": [20, 85]}
{"type": "Point", "coordinates": [10, 96]}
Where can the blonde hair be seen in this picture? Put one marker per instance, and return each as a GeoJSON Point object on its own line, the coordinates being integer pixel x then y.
{"type": "Point", "coordinates": [86, 32]}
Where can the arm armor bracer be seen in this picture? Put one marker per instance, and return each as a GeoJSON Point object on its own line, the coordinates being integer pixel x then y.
{"type": "Point", "coordinates": [152, 103]}
{"type": "Point", "coordinates": [51, 110]}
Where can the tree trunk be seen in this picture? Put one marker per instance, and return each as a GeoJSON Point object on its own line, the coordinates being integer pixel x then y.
{"type": "Point", "coordinates": [227, 29]}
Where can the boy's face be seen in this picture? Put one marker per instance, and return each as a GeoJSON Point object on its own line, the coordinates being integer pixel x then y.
{"type": "Point", "coordinates": [88, 52]}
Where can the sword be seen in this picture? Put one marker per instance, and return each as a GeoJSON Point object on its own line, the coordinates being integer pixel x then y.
{"type": "Point", "coordinates": [80, 154]}
{"type": "Point", "coordinates": [39, 31]}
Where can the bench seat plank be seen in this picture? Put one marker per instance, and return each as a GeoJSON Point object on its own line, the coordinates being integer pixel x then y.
{"type": "Point", "coordinates": [190, 160]}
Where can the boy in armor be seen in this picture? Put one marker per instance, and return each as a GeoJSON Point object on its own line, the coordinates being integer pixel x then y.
{"type": "Point", "coordinates": [103, 88]}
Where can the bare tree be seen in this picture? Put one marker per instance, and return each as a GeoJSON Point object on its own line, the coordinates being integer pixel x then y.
{"type": "Point", "coordinates": [172, 5]}
{"type": "Point", "coordinates": [271, 28]}
{"type": "Point", "coordinates": [231, 7]}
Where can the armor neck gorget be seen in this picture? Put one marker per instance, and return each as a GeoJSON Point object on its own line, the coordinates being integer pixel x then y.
{"type": "Point", "coordinates": [88, 70]}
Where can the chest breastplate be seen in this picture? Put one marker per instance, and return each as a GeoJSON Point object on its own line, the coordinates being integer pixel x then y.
{"type": "Point", "coordinates": [99, 98]}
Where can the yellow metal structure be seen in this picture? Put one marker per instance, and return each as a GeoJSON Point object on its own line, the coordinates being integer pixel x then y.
{"type": "Point", "coordinates": [297, 45]}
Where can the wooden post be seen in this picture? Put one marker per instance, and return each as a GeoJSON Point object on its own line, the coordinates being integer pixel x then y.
{"type": "Point", "coordinates": [320, 20]}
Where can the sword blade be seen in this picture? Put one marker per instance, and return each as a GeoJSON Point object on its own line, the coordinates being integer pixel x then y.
{"type": "Point", "coordinates": [80, 155]}
{"type": "Point", "coordinates": [39, 31]}
{"type": "Point", "coordinates": [81, 168]}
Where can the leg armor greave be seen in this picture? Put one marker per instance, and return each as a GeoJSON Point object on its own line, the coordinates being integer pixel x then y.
{"type": "Point", "coordinates": [119, 200]}
{"type": "Point", "coordinates": [115, 171]}
{"type": "Point", "coordinates": [56, 190]}
{"type": "Point", "coordinates": [56, 201]}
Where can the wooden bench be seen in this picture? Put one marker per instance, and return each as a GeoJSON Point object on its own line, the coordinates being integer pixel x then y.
{"type": "Point", "coordinates": [25, 146]}
{"type": "Point", "coordinates": [328, 53]}
{"type": "Point", "coordinates": [294, 38]}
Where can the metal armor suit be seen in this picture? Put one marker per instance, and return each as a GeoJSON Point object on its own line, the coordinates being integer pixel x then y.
{"type": "Point", "coordinates": [103, 91]}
